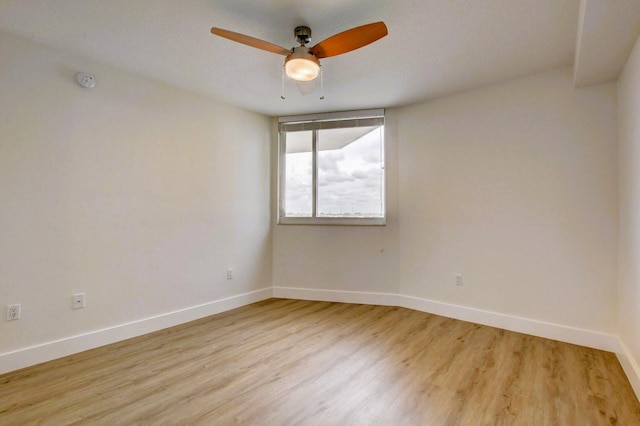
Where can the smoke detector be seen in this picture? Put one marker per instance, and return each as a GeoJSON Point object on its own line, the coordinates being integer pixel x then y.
{"type": "Point", "coordinates": [86, 80]}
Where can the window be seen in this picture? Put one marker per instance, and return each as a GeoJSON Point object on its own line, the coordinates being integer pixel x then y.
{"type": "Point", "coordinates": [331, 169]}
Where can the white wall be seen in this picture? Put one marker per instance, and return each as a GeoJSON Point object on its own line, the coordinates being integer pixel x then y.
{"type": "Point", "coordinates": [629, 235]}
{"type": "Point", "coordinates": [135, 193]}
{"type": "Point", "coordinates": [513, 186]}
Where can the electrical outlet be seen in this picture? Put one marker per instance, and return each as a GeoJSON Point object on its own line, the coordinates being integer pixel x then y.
{"type": "Point", "coordinates": [229, 274]}
{"type": "Point", "coordinates": [77, 301]}
{"type": "Point", "coordinates": [13, 312]}
{"type": "Point", "coordinates": [458, 279]}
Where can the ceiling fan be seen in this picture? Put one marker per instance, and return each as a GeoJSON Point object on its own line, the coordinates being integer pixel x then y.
{"type": "Point", "coordinates": [302, 63]}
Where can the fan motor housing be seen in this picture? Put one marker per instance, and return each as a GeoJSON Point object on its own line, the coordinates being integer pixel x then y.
{"type": "Point", "coordinates": [302, 34]}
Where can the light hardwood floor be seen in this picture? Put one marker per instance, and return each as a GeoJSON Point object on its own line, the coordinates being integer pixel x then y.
{"type": "Point", "coordinates": [285, 362]}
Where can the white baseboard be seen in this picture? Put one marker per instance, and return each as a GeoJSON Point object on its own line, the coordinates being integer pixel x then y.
{"type": "Point", "coordinates": [563, 333]}
{"type": "Point", "coordinates": [385, 299]}
{"type": "Point", "coordinates": [21, 358]}
{"type": "Point", "coordinates": [33, 355]}
{"type": "Point", "coordinates": [630, 367]}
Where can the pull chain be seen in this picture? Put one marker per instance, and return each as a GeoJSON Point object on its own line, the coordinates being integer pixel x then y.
{"type": "Point", "coordinates": [321, 83]}
{"type": "Point", "coordinates": [282, 95]}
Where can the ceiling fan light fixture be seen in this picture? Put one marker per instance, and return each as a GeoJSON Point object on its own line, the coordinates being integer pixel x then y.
{"type": "Point", "coordinates": [301, 65]}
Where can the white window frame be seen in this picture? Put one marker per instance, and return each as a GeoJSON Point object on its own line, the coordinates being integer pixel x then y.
{"type": "Point", "coordinates": [318, 122]}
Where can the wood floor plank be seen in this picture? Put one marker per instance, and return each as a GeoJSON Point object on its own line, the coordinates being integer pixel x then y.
{"type": "Point", "coordinates": [290, 362]}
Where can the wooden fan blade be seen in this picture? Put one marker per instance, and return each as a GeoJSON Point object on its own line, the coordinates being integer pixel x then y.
{"type": "Point", "coordinates": [250, 41]}
{"type": "Point", "coordinates": [349, 40]}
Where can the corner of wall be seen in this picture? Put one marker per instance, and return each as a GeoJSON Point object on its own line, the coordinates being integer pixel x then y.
{"type": "Point", "coordinates": [630, 366]}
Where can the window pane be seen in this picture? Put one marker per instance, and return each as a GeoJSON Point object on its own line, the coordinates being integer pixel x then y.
{"type": "Point", "coordinates": [351, 172]}
{"type": "Point", "coordinates": [298, 191]}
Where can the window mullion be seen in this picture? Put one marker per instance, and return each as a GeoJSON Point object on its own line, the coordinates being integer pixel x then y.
{"type": "Point", "coordinates": [314, 173]}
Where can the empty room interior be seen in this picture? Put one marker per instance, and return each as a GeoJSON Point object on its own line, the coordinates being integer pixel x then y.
{"type": "Point", "coordinates": [187, 231]}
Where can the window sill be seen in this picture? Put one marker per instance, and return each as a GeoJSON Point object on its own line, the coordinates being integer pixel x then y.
{"type": "Point", "coordinates": [333, 221]}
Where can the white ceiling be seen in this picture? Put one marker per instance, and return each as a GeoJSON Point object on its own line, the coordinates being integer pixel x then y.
{"type": "Point", "coordinates": [606, 34]}
{"type": "Point", "coordinates": [434, 47]}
